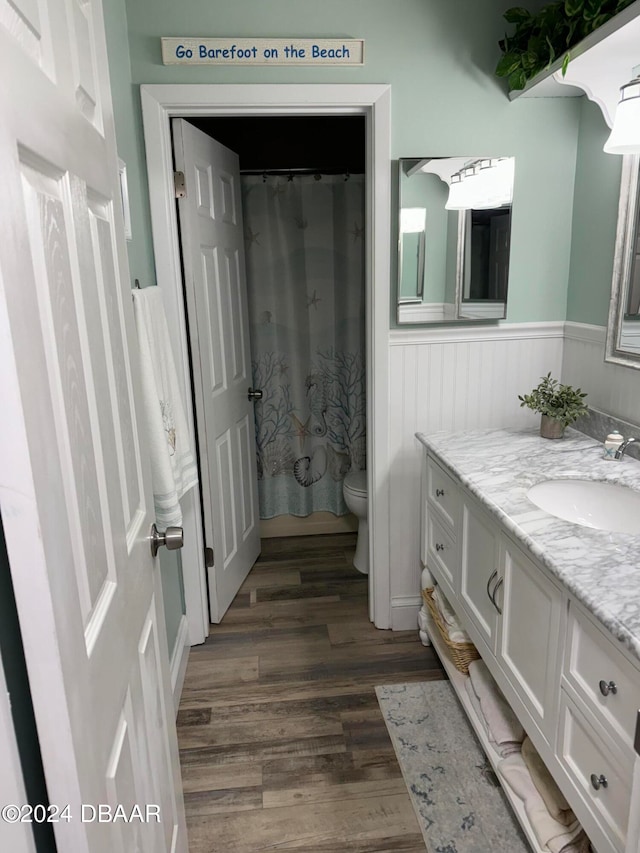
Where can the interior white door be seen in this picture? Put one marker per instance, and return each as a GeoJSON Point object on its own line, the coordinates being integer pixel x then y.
{"type": "Point", "coordinates": [215, 282]}
{"type": "Point", "coordinates": [75, 487]}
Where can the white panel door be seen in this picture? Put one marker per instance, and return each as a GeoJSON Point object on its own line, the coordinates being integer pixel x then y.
{"type": "Point", "coordinates": [479, 574]}
{"type": "Point", "coordinates": [215, 282]}
{"type": "Point", "coordinates": [529, 634]}
{"type": "Point", "coordinates": [75, 485]}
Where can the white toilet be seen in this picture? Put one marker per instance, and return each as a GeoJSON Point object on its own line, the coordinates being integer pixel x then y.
{"type": "Point", "coordinates": [354, 489]}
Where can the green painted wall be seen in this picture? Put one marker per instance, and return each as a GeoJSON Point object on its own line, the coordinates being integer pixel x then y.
{"type": "Point", "coordinates": [140, 249]}
{"type": "Point", "coordinates": [594, 221]}
{"type": "Point", "coordinates": [439, 59]}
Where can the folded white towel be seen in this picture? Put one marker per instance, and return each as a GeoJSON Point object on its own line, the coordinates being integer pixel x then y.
{"type": "Point", "coordinates": [553, 836]}
{"type": "Point", "coordinates": [506, 747]}
{"type": "Point", "coordinates": [455, 631]}
{"type": "Point", "coordinates": [553, 797]}
{"type": "Point", "coordinates": [502, 722]}
{"type": "Point", "coordinates": [173, 467]}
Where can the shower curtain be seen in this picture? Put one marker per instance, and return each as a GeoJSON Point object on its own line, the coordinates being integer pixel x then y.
{"type": "Point", "coordinates": [304, 240]}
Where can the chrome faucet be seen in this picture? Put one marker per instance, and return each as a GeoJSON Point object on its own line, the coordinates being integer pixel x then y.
{"type": "Point", "coordinates": [622, 448]}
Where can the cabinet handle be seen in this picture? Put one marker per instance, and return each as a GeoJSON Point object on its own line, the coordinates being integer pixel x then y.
{"type": "Point", "coordinates": [439, 493]}
{"type": "Point", "coordinates": [493, 597]}
{"type": "Point", "coordinates": [608, 687]}
{"type": "Point", "coordinates": [439, 547]}
{"type": "Point", "coordinates": [598, 782]}
{"type": "Point", "coordinates": [493, 574]}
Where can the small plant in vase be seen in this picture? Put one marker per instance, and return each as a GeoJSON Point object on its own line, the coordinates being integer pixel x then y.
{"type": "Point", "coordinates": [559, 405]}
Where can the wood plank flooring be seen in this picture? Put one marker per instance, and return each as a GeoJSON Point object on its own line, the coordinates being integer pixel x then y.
{"type": "Point", "coordinates": [282, 743]}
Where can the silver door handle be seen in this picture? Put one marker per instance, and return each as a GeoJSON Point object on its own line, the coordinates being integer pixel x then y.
{"type": "Point", "coordinates": [493, 596]}
{"type": "Point", "coordinates": [254, 394]}
{"type": "Point", "coordinates": [172, 539]}
{"type": "Point", "coordinates": [493, 574]}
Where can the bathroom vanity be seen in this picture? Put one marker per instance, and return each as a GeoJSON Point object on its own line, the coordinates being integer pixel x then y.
{"type": "Point", "coordinates": [552, 607]}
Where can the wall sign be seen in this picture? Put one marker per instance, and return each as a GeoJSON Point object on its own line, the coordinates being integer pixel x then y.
{"type": "Point", "coordinates": [247, 51]}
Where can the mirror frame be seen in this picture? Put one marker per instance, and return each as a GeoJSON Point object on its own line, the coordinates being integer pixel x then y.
{"type": "Point", "coordinates": [622, 261]}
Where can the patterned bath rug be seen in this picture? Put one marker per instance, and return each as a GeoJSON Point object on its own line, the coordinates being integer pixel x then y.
{"type": "Point", "coordinates": [458, 800]}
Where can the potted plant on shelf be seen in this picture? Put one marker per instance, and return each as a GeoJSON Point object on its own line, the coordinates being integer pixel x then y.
{"type": "Point", "coordinates": [559, 405]}
{"type": "Point", "coordinates": [546, 35]}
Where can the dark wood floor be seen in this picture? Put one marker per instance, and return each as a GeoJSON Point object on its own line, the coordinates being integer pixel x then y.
{"type": "Point", "coordinates": [283, 746]}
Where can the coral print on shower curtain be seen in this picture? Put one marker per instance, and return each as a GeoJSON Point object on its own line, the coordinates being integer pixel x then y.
{"type": "Point", "coordinates": [305, 276]}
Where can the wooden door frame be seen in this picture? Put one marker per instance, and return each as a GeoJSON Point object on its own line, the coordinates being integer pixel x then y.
{"type": "Point", "coordinates": [161, 103]}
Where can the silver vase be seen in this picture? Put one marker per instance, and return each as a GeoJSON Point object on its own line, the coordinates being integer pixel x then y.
{"type": "Point", "coordinates": [551, 428]}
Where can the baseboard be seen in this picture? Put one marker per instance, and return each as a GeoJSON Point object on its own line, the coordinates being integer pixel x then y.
{"type": "Point", "coordinates": [179, 659]}
{"type": "Point", "coordinates": [404, 612]}
{"type": "Point", "coordinates": [317, 523]}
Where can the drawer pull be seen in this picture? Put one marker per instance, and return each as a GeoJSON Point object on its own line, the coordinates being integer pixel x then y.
{"type": "Point", "coordinates": [608, 687]}
{"type": "Point", "coordinates": [598, 782]}
{"type": "Point", "coordinates": [439, 547]}
{"type": "Point", "coordinates": [439, 493]}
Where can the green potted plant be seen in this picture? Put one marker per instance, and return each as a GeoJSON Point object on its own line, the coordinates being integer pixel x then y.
{"type": "Point", "coordinates": [559, 405]}
{"type": "Point", "coordinates": [542, 37]}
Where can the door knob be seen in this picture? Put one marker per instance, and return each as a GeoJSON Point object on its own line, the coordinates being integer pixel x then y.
{"type": "Point", "coordinates": [254, 394]}
{"type": "Point", "coordinates": [172, 539]}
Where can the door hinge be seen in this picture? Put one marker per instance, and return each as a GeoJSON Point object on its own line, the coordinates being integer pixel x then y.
{"type": "Point", "coordinates": [208, 557]}
{"type": "Point", "coordinates": [178, 183]}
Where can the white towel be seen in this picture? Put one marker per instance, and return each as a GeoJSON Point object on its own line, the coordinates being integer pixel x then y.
{"type": "Point", "coordinates": [173, 467]}
{"type": "Point", "coordinates": [552, 836]}
{"type": "Point", "coordinates": [504, 749]}
{"type": "Point", "coordinates": [502, 722]}
{"type": "Point", "coordinates": [554, 799]}
{"type": "Point", "coordinates": [455, 631]}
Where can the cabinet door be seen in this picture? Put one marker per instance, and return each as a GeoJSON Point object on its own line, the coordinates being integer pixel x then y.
{"type": "Point", "coordinates": [479, 572]}
{"type": "Point", "coordinates": [529, 634]}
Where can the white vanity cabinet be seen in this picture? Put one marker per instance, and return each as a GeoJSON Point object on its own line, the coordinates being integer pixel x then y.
{"type": "Point", "coordinates": [441, 526]}
{"type": "Point", "coordinates": [600, 698]}
{"type": "Point", "coordinates": [574, 688]}
{"type": "Point", "coordinates": [513, 611]}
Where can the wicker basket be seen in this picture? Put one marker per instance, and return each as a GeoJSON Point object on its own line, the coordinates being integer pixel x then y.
{"type": "Point", "coordinates": [461, 654]}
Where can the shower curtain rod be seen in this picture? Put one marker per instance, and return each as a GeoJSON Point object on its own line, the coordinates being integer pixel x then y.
{"type": "Point", "coordinates": [301, 171]}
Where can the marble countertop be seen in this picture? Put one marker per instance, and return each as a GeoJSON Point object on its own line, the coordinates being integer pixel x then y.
{"type": "Point", "coordinates": [499, 466]}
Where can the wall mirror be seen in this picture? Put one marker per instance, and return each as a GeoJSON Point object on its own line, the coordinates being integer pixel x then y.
{"type": "Point", "coordinates": [623, 329]}
{"type": "Point", "coordinates": [454, 238]}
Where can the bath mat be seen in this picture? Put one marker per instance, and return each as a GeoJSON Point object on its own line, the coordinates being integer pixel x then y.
{"type": "Point", "coordinates": [458, 800]}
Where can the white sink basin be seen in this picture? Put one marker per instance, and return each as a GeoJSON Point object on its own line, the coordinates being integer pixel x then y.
{"type": "Point", "coordinates": [605, 506]}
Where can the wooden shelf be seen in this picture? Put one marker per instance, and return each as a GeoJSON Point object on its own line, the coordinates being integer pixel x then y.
{"type": "Point", "coordinates": [599, 65]}
{"type": "Point", "coordinates": [458, 680]}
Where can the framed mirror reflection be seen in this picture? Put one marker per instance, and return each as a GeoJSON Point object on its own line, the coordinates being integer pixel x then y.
{"type": "Point", "coordinates": [454, 238]}
{"type": "Point", "coordinates": [623, 330]}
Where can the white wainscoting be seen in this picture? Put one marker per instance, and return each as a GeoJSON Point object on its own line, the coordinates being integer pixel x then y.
{"type": "Point", "coordinates": [612, 388]}
{"type": "Point", "coordinates": [451, 379]}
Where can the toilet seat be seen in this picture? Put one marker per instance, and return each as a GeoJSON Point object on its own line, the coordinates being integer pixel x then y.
{"type": "Point", "coordinates": [356, 482]}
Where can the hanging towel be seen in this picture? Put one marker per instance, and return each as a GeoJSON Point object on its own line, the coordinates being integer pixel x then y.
{"type": "Point", "coordinates": [552, 836]}
{"type": "Point", "coordinates": [173, 467]}
{"type": "Point", "coordinates": [553, 797]}
{"type": "Point", "coordinates": [501, 721]}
